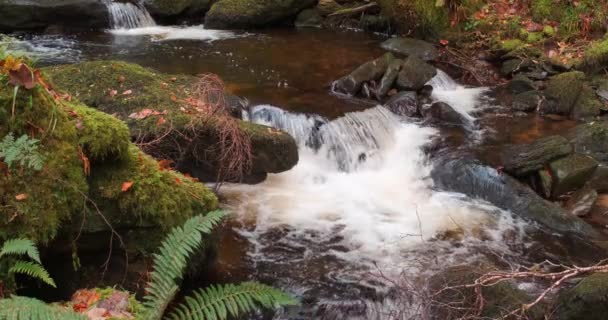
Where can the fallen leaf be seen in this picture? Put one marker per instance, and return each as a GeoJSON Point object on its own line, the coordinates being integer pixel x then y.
{"type": "Point", "coordinates": [21, 197]}
{"type": "Point", "coordinates": [164, 85]}
{"type": "Point", "coordinates": [121, 79]}
{"type": "Point", "coordinates": [174, 79]}
{"type": "Point", "coordinates": [22, 77]}
{"type": "Point", "coordinates": [444, 42]}
{"type": "Point", "coordinates": [128, 92]}
{"type": "Point", "coordinates": [164, 164]}
{"type": "Point", "coordinates": [160, 121]}
{"type": "Point", "coordinates": [83, 299]}
{"type": "Point", "coordinates": [173, 97]}
{"type": "Point", "coordinates": [113, 93]}
{"type": "Point", "coordinates": [178, 180]}
{"type": "Point", "coordinates": [126, 186]}
{"type": "Point", "coordinates": [86, 164]}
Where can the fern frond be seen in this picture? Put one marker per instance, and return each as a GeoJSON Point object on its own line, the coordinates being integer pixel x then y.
{"type": "Point", "coordinates": [20, 246]}
{"type": "Point", "coordinates": [170, 263]}
{"type": "Point", "coordinates": [219, 302]}
{"type": "Point", "coordinates": [23, 308]}
{"type": "Point", "coordinates": [33, 270]}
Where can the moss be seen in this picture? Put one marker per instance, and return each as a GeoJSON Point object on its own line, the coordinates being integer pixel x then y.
{"type": "Point", "coordinates": [253, 13]}
{"type": "Point", "coordinates": [168, 7]}
{"type": "Point", "coordinates": [587, 300]}
{"type": "Point", "coordinates": [542, 9]}
{"type": "Point", "coordinates": [549, 31]}
{"type": "Point", "coordinates": [511, 44]}
{"type": "Point", "coordinates": [595, 58]}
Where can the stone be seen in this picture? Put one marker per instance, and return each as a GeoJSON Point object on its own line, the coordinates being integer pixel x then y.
{"type": "Point", "coordinates": [369, 71]}
{"type": "Point", "coordinates": [524, 159]}
{"type": "Point", "coordinates": [388, 79]}
{"type": "Point", "coordinates": [581, 202]}
{"type": "Point", "coordinates": [562, 93]}
{"type": "Point", "coordinates": [411, 47]}
{"type": "Point", "coordinates": [77, 14]}
{"type": "Point", "coordinates": [520, 84]}
{"type": "Point", "coordinates": [526, 101]}
{"type": "Point", "coordinates": [587, 106]}
{"type": "Point", "coordinates": [599, 180]}
{"type": "Point", "coordinates": [460, 173]}
{"type": "Point", "coordinates": [404, 103]}
{"type": "Point", "coordinates": [169, 8]}
{"type": "Point", "coordinates": [545, 183]}
{"type": "Point", "coordinates": [243, 14]}
{"type": "Point", "coordinates": [590, 139]}
{"type": "Point", "coordinates": [414, 74]}
{"type": "Point", "coordinates": [571, 173]}
{"type": "Point", "coordinates": [513, 66]}
{"type": "Point", "coordinates": [308, 18]}
{"type": "Point", "coordinates": [587, 300]}
{"type": "Point", "coordinates": [441, 112]}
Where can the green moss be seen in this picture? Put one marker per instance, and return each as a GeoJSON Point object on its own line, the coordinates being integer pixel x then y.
{"type": "Point", "coordinates": [549, 31]}
{"type": "Point", "coordinates": [595, 58]}
{"type": "Point", "coordinates": [511, 44]}
{"type": "Point", "coordinates": [168, 7]}
{"type": "Point", "coordinates": [587, 300]}
{"type": "Point", "coordinates": [542, 9]}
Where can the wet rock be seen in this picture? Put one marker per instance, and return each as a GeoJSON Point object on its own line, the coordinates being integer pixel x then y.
{"type": "Point", "coordinates": [587, 105]}
{"type": "Point", "coordinates": [513, 66]}
{"type": "Point", "coordinates": [523, 159]}
{"type": "Point", "coordinates": [537, 75]}
{"type": "Point", "coordinates": [414, 74]}
{"type": "Point", "coordinates": [599, 180]}
{"type": "Point", "coordinates": [460, 173]}
{"type": "Point", "coordinates": [527, 101]}
{"type": "Point", "coordinates": [571, 173]}
{"type": "Point", "coordinates": [581, 202]}
{"type": "Point", "coordinates": [545, 183]}
{"type": "Point", "coordinates": [404, 103]}
{"type": "Point", "coordinates": [372, 70]}
{"type": "Point", "coordinates": [587, 300]}
{"type": "Point", "coordinates": [234, 14]}
{"type": "Point", "coordinates": [520, 84]}
{"type": "Point", "coordinates": [441, 112]}
{"type": "Point", "coordinates": [590, 139]}
{"type": "Point", "coordinates": [27, 14]}
{"type": "Point", "coordinates": [569, 94]}
{"type": "Point", "coordinates": [375, 23]}
{"type": "Point", "coordinates": [166, 8]}
{"type": "Point", "coordinates": [308, 18]}
{"type": "Point", "coordinates": [387, 81]}
{"type": "Point", "coordinates": [411, 47]}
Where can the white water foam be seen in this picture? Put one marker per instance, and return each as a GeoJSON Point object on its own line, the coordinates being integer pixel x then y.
{"type": "Point", "coordinates": [382, 205]}
{"type": "Point", "coordinates": [127, 15]}
{"type": "Point", "coordinates": [463, 99]}
{"type": "Point", "coordinates": [163, 33]}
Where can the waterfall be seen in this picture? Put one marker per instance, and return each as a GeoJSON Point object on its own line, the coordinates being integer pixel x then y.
{"type": "Point", "coordinates": [127, 15]}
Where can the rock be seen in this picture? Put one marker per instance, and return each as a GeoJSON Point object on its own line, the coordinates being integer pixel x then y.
{"type": "Point", "coordinates": [411, 47]}
{"type": "Point", "coordinates": [581, 202]}
{"type": "Point", "coordinates": [513, 66]}
{"type": "Point", "coordinates": [388, 79]}
{"type": "Point", "coordinates": [326, 7]}
{"type": "Point", "coordinates": [587, 300]}
{"type": "Point", "coordinates": [375, 23]}
{"type": "Point", "coordinates": [569, 94]}
{"type": "Point", "coordinates": [526, 101]}
{"type": "Point", "coordinates": [545, 183]}
{"type": "Point", "coordinates": [309, 18]}
{"type": "Point", "coordinates": [571, 173]}
{"type": "Point", "coordinates": [599, 180]}
{"type": "Point", "coordinates": [372, 70]}
{"type": "Point", "coordinates": [166, 8]}
{"type": "Point", "coordinates": [590, 139]}
{"type": "Point", "coordinates": [460, 173]}
{"type": "Point", "coordinates": [28, 14]}
{"type": "Point", "coordinates": [524, 159]}
{"type": "Point", "coordinates": [404, 103]}
{"type": "Point", "coordinates": [587, 106]}
{"type": "Point", "coordinates": [441, 112]}
{"type": "Point", "coordinates": [414, 74]}
{"type": "Point", "coordinates": [235, 14]}
{"type": "Point", "coordinates": [520, 84]}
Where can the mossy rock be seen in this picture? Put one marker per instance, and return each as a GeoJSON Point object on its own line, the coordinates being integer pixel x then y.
{"type": "Point", "coordinates": [95, 83]}
{"type": "Point", "coordinates": [232, 14]}
{"type": "Point", "coordinates": [176, 7]}
{"type": "Point", "coordinates": [587, 300]}
{"type": "Point", "coordinates": [571, 94]}
{"type": "Point", "coordinates": [595, 58]}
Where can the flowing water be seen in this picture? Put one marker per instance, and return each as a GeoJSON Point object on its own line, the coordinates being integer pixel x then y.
{"type": "Point", "coordinates": [127, 15]}
{"type": "Point", "coordinates": [359, 212]}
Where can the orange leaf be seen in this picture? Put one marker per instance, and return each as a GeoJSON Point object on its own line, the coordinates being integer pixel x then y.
{"type": "Point", "coordinates": [126, 186]}
{"type": "Point", "coordinates": [113, 93]}
{"type": "Point", "coordinates": [178, 180]}
{"type": "Point", "coordinates": [164, 164]}
{"type": "Point", "coordinates": [160, 121]}
{"type": "Point", "coordinates": [174, 79]}
{"type": "Point", "coordinates": [128, 92]}
{"type": "Point", "coordinates": [21, 196]}
{"type": "Point", "coordinates": [444, 42]}
{"type": "Point", "coordinates": [173, 97]}
{"type": "Point", "coordinates": [86, 164]}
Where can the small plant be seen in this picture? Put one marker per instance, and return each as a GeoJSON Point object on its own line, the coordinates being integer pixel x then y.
{"type": "Point", "coordinates": [10, 256]}
{"type": "Point", "coordinates": [22, 151]}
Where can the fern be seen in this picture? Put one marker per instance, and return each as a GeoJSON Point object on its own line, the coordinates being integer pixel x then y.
{"type": "Point", "coordinates": [22, 308]}
{"type": "Point", "coordinates": [20, 246]}
{"type": "Point", "coordinates": [34, 270]}
{"type": "Point", "coordinates": [171, 262]}
{"type": "Point", "coordinates": [23, 151]}
{"type": "Point", "coordinates": [218, 302]}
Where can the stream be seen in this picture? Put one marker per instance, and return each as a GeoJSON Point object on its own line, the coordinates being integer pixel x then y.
{"type": "Point", "coordinates": [359, 216]}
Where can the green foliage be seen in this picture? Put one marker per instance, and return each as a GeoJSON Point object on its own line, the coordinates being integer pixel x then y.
{"type": "Point", "coordinates": [33, 270]}
{"type": "Point", "coordinates": [23, 308]}
{"type": "Point", "coordinates": [218, 302]}
{"type": "Point", "coordinates": [215, 302]}
{"type": "Point", "coordinates": [541, 9]}
{"type": "Point", "coordinates": [12, 249]}
{"type": "Point", "coordinates": [23, 151]}
{"type": "Point", "coordinates": [20, 246]}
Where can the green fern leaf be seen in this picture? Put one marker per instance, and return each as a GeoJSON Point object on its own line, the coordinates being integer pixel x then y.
{"type": "Point", "coordinates": [23, 308]}
{"type": "Point", "coordinates": [170, 263]}
{"type": "Point", "coordinates": [218, 302]}
{"type": "Point", "coordinates": [20, 246]}
{"type": "Point", "coordinates": [33, 270]}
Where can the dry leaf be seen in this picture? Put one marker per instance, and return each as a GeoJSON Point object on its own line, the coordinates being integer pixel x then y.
{"type": "Point", "coordinates": [126, 186]}
{"type": "Point", "coordinates": [21, 197]}
{"type": "Point", "coordinates": [164, 164]}
{"type": "Point", "coordinates": [113, 93]}
{"type": "Point", "coordinates": [178, 180]}
{"type": "Point", "coordinates": [160, 121]}
{"type": "Point", "coordinates": [121, 79]}
{"type": "Point", "coordinates": [128, 92]}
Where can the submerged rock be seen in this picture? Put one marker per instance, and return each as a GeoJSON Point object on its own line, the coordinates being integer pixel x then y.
{"type": "Point", "coordinates": [404, 103]}
{"type": "Point", "coordinates": [524, 159]}
{"type": "Point", "coordinates": [581, 202]}
{"type": "Point", "coordinates": [441, 112]}
{"type": "Point", "coordinates": [527, 101]}
{"type": "Point", "coordinates": [372, 70]}
{"type": "Point", "coordinates": [587, 300]}
{"type": "Point", "coordinates": [461, 174]}
{"type": "Point", "coordinates": [27, 14]}
{"type": "Point", "coordinates": [571, 173]}
{"type": "Point", "coordinates": [411, 47]}
{"type": "Point", "coordinates": [235, 14]}
{"type": "Point", "coordinates": [414, 74]}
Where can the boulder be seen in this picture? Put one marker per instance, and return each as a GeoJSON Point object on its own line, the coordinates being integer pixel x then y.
{"type": "Point", "coordinates": [414, 74]}
{"type": "Point", "coordinates": [176, 7]}
{"type": "Point", "coordinates": [526, 101]}
{"type": "Point", "coordinates": [29, 14]}
{"type": "Point", "coordinates": [443, 113]}
{"type": "Point", "coordinates": [520, 84]}
{"type": "Point", "coordinates": [309, 18]}
{"type": "Point", "coordinates": [570, 94]}
{"type": "Point", "coordinates": [388, 79]}
{"type": "Point", "coordinates": [581, 202]}
{"type": "Point", "coordinates": [404, 103]}
{"type": "Point", "coordinates": [411, 47]}
{"type": "Point", "coordinates": [242, 14]}
{"type": "Point", "coordinates": [590, 139]}
{"type": "Point", "coordinates": [460, 173]}
{"type": "Point", "coordinates": [524, 159]}
{"type": "Point", "coordinates": [369, 71]}
{"type": "Point", "coordinates": [587, 300]}
{"type": "Point", "coordinates": [513, 66]}
{"type": "Point", "coordinates": [571, 173]}
{"type": "Point", "coordinates": [599, 180]}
